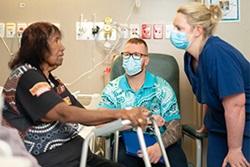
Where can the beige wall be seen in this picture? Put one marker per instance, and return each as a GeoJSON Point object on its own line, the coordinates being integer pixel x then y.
{"type": "Point", "coordinates": [82, 56]}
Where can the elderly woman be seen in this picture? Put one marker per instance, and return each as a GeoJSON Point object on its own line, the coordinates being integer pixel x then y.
{"type": "Point", "coordinates": [41, 108]}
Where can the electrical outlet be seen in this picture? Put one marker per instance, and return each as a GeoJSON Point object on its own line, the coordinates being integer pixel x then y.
{"type": "Point", "coordinates": [2, 26]}
{"type": "Point", "coordinates": [169, 29]}
{"type": "Point", "coordinates": [158, 31]}
{"type": "Point", "coordinates": [124, 30]}
{"type": "Point", "coordinates": [146, 31]}
{"type": "Point", "coordinates": [134, 30]}
{"type": "Point", "coordinates": [20, 28]}
{"type": "Point", "coordinates": [10, 30]}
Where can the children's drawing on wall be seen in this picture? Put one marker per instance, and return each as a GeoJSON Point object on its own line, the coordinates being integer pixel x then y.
{"type": "Point", "coordinates": [230, 9]}
{"type": "Point", "coordinates": [224, 5]}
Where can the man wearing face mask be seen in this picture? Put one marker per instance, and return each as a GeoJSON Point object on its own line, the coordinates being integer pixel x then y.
{"type": "Point", "coordinates": [138, 87]}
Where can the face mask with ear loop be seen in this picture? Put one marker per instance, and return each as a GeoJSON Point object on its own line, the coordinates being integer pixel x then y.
{"type": "Point", "coordinates": [178, 39]}
{"type": "Point", "coordinates": [132, 66]}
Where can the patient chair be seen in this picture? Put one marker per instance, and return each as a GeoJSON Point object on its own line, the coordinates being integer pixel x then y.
{"type": "Point", "coordinates": [166, 67]}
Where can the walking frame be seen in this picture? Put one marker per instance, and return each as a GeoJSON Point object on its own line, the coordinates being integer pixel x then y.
{"type": "Point", "coordinates": [115, 126]}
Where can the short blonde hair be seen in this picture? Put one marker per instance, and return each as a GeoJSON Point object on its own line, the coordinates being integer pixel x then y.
{"type": "Point", "coordinates": [198, 14]}
{"type": "Point", "coordinates": [137, 41]}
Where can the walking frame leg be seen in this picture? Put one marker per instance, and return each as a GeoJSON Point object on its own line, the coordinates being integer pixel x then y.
{"type": "Point", "coordinates": [158, 134]}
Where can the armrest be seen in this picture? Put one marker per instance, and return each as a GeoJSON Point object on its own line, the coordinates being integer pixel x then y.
{"type": "Point", "coordinates": [190, 130]}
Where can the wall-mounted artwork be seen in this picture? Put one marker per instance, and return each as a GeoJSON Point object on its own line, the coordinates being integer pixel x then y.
{"type": "Point", "coordinates": [230, 9]}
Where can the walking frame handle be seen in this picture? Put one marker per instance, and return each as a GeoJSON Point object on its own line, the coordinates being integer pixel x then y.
{"type": "Point", "coordinates": [108, 129]}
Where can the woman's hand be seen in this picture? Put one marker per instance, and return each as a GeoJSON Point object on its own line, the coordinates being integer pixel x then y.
{"type": "Point", "coordinates": [203, 129]}
{"type": "Point", "coordinates": [138, 116]}
{"type": "Point", "coordinates": [235, 158]}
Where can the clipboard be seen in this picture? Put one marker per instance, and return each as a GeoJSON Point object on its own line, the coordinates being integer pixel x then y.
{"type": "Point", "coordinates": [132, 144]}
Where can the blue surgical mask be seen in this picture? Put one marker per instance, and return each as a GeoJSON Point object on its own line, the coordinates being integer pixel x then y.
{"type": "Point", "coordinates": [132, 66]}
{"type": "Point", "coordinates": [178, 39]}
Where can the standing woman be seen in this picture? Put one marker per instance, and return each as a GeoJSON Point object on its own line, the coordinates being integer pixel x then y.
{"type": "Point", "coordinates": [220, 79]}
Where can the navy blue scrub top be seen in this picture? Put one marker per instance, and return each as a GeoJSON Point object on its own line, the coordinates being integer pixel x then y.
{"type": "Point", "coordinates": [222, 71]}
